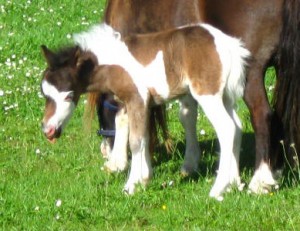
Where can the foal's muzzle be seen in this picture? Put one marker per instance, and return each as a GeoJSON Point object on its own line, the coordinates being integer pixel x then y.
{"type": "Point", "coordinates": [51, 132]}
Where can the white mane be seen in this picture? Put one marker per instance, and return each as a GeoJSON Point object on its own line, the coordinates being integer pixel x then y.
{"type": "Point", "coordinates": [106, 44]}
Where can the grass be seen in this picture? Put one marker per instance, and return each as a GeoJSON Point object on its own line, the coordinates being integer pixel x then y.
{"type": "Point", "coordinates": [61, 186]}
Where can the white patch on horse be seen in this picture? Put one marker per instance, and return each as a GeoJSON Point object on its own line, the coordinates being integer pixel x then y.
{"type": "Point", "coordinates": [233, 57]}
{"type": "Point", "coordinates": [109, 49]}
{"type": "Point", "coordinates": [141, 169]}
{"type": "Point", "coordinates": [156, 76]}
{"type": "Point", "coordinates": [64, 108]}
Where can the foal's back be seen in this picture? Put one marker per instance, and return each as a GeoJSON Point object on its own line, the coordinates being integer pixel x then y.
{"type": "Point", "coordinates": [187, 52]}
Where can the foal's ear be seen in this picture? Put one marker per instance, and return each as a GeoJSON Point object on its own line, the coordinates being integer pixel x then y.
{"type": "Point", "coordinates": [48, 54]}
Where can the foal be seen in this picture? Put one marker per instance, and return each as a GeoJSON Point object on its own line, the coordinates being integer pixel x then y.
{"type": "Point", "coordinates": [151, 69]}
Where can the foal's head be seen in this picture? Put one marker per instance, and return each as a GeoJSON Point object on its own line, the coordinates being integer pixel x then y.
{"type": "Point", "coordinates": [61, 86]}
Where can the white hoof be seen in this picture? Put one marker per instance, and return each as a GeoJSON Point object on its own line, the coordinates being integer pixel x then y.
{"type": "Point", "coordinates": [216, 196]}
{"type": "Point", "coordinates": [129, 189]}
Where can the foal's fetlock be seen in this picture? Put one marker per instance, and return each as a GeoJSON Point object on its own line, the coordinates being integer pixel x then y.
{"type": "Point", "coordinates": [115, 166]}
{"type": "Point", "coordinates": [219, 189]}
{"type": "Point", "coordinates": [216, 195]}
{"type": "Point", "coordinates": [131, 188]}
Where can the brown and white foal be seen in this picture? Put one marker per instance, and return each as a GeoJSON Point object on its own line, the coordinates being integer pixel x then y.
{"type": "Point", "coordinates": [143, 70]}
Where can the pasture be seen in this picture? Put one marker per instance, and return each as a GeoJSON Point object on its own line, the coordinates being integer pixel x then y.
{"type": "Point", "coordinates": [62, 186]}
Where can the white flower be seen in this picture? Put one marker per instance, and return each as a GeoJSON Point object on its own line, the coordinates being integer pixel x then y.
{"type": "Point", "coordinates": [59, 23]}
{"type": "Point", "coordinates": [202, 132]}
{"type": "Point", "coordinates": [1, 93]}
{"type": "Point", "coordinates": [37, 151]}
{"type": "Point", "coordinates": [69, 36]}
{"type": "Point", "coordinates": [58, 203]}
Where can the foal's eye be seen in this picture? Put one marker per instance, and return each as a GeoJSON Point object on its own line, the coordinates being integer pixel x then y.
{"type": "Point", "coordinates": [69, 97]}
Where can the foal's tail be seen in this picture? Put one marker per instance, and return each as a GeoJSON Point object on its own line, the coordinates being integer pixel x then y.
{"type": "Point", "coordinates": [234, 57]}
{"type": "Point", "coordinates": [287, 90]}
{"type": "Point", "coordinates": [237, 70]}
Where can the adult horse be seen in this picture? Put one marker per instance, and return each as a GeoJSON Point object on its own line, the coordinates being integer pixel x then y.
{"type": "Point", "coordinates": [270, 30]}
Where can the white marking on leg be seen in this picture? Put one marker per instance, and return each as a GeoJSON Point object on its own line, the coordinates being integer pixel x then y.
{"type": "Point", "coordinates": [141, 170]}
{"type": "Point", "coordinates": [263, 179]}
{"type": "Point", "coordinates": [234, 170]}
{"type": "Point", "coordinates": [188, 118]}
{"type": "Point", "coordinates": [105, 148]}
{"type": "Point", "coordinates": [225, 129]}
{"type": "Point", "coordinates": [117, 160]}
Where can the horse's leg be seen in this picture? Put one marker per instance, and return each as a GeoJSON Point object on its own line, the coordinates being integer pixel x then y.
{"type": "Point", "coordinates": [105, 147]}
{"type": "Point", "coordinates": [117, 160]}
{"type": "Point", "coordinates": [188, 118]}
{"type": "Point", "coordinates": [141, 170]}
{"type": "Point", "coordinates": [226, 129]}
{"type": "Point", "coordinates": [260, 111]}
{"type": "Point", "coordinates": [234, 166]}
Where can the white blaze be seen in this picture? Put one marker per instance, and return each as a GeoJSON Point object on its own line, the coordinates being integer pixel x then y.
{"type": "Point", "coordinates": [64, 109]}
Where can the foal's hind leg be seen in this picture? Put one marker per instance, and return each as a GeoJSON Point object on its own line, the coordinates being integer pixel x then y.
{"type": "Point", "coordinates": [226, 129]}
{"type": "Point", "coordinates": [234, 169]}
{"type": "Point", "coordinates": [188, 118]}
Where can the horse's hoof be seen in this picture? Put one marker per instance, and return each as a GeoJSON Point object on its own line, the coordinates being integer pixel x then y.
{"type": "Point", "coordinates": [129, 190]}
{"type": "Point", "coordinates": [263, 181]}
{"type": "Point", "coordinates": [188, 171]}
{"type": "Point", "coordinates": [217, 197]}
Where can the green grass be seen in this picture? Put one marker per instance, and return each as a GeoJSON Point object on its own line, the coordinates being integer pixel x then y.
{"type": "Point", "coordinates": [36, 175]}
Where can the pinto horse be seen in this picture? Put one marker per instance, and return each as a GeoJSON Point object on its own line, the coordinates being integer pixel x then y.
{"type": "Point", "coordinates": [270, 30]}
{"type": "Point", "coordinates": [146, 70]}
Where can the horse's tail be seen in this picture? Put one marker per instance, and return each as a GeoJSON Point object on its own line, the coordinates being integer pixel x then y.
{"type": "Point", "coordinates": [89, 112]}
{"type": "Point", "coordinates": [287, 90]}
{"type": "Point", "coordinates": [157, 122]}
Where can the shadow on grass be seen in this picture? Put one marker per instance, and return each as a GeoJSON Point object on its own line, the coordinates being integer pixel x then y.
{"type": "Point", "coordinates": [209, 156]}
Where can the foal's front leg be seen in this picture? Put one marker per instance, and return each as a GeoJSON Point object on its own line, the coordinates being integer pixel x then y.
{"type": "Point", "coordinates": [117, 160]}
{"type": "Point", "coordinates": [141, 170]}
